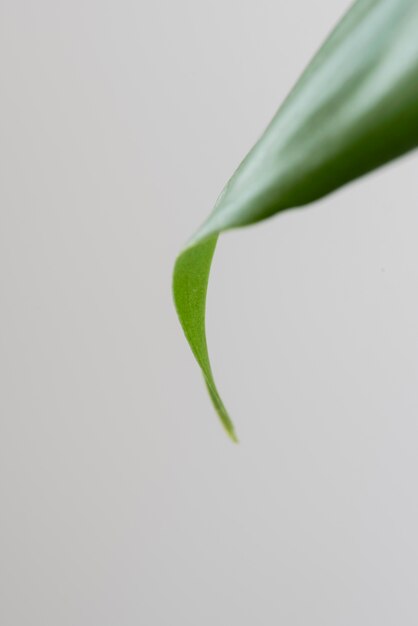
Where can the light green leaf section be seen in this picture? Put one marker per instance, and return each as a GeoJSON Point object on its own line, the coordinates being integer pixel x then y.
{"type": "Point", "coordinates": [354, 109]}
{"type": "Point", "coordinates": [191, 274]}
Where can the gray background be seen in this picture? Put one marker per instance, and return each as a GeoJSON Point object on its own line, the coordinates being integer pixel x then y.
{"type": "Point", "coordinates": [122, 502]}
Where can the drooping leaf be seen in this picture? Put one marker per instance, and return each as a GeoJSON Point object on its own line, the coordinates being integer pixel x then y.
{"type": "Point", "coordinates": [353, 109]}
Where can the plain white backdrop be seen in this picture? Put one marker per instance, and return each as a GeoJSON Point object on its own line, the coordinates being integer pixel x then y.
{"type": "Point", "coordinates": [122, 501]}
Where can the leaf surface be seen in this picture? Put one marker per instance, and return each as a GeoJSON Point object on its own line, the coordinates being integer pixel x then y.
{"type": "Point", "coordinates": [354, 108]}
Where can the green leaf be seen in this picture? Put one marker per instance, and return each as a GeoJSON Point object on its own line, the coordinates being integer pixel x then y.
{"type": "Point", "coordinates": [354, 109]}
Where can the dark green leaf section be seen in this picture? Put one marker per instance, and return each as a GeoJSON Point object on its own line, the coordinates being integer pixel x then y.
{"type": "Point", "coordinates": [354, 109]}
